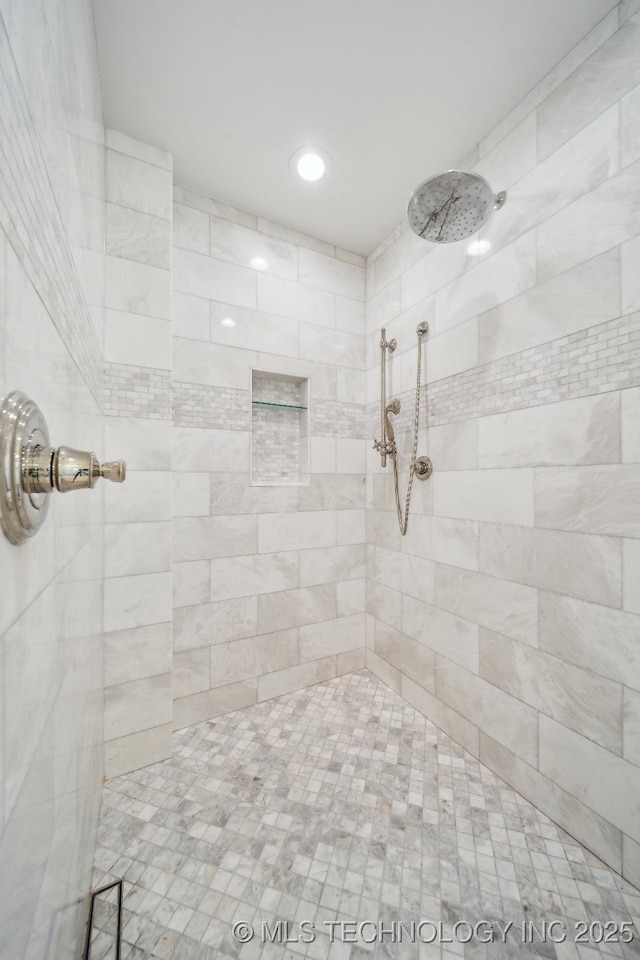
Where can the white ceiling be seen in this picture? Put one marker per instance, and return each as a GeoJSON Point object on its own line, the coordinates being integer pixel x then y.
{"type": "Point", "coordinates": [394, 90]}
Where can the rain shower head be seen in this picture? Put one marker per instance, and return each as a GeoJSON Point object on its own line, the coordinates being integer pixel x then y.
{"type": "Point", "coordinates": [452, 206]}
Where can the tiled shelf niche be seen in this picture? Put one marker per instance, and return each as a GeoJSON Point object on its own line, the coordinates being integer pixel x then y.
{"type": "Point", "coordinates": [279, 429]}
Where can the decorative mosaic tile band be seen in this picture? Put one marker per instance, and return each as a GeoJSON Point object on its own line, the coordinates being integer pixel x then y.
{"type": "Point", "coordinates": [31, 219]}
{"type": "Point", "coordinates": [596, 360]}
{"type": "Point", "coordinates": [277, 391]}
{"type": "Point", "coordinates": [213, 408]}
{"type": "Point", "coordinates": [331, 418]}
{"type": "Point", "coordinates": [137, 392]}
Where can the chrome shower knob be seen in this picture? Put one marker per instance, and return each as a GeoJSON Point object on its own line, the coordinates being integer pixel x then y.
{"type": "Point", "coordinates": [30, 468]}
{"type": "Point", "coordinates": [114, 470]}
{"type": "Point", "coordinates": [77, 469]}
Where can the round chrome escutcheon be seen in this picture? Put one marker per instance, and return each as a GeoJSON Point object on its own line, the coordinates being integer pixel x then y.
{"type": "Point", "coordinates": [22, 428]}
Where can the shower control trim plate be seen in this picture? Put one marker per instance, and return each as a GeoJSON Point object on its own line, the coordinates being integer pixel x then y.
{"type": "Point", "coordinates": [30, 468]}
{"type": "Point", "coordinates": [422, 468]}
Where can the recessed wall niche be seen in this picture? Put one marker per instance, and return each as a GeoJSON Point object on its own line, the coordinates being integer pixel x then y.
{"type": "Point", "coordinates": [279, 429]}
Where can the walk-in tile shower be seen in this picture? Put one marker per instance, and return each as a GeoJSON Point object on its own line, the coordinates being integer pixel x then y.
{"type": "Point", "coordinates": [310, 724]}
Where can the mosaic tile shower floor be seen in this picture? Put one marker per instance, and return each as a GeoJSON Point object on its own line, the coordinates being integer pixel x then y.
{"type": "Point", "coordinates": [336, 806]}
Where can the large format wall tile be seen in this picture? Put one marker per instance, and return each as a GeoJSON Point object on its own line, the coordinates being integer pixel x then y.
{"type": "Point", "coordinates": [505, 718]}
{"type": "Point", "coordinates": [190, 228]}
{"type": "Point", "coordinates": [630, 127]}
{"type": "Point", "coordinates": [326, 564]}
{"type": "Point", "coordinates": [256, 329]}
{"type": "Point", "coordinates": [136, 653]}
{"type": "Point", "coordinates": [496, 496]}
{"type": "Point", "coordinates": [605, 77]}
{"type": "Point", "coordinates": [318, 640]}
{"type": "Point", "coordinates": [493, 281]}
{"type": "Point", "coordinates": [405, 654]}
{"type": "Point", "coordinates": [520, 569]}
{"type": "Point", "coordinates": [570, 759]}
{"type": "Point", "coordinates": [454, 351]}
{"type": "Point", "coordinates": [208, 624]}
{"type": "Point", "coordinates": [300, 531]}
{"type": "Point", "coordinates": [441, 631]}
{"type": "Point", "coordinates": [293, 678]}
{"type": "Point", "coordinates": [555, 688]}
{"type": "Point", "coordinates": [207, 538]}
{"type": "Point", "coordinates": [567, 809]}
{"type": "Point", "coordinates": [213, 451]}
{"type": "Point", "coordinates": [588, 567]}
{"type": "Point", "coordinates": [284, 298]}
{"type": "Point", "coordinates": [220, 366]}
{"type": "Point", "coordinates": [253, 657]}
{"type": "Point", "coordinates": [138, 236]}
{"type": "Point", "coordinates": [329, 273]}
{"type": "Point", "coordinates": [268, 579]}
{"type": "Point", "coordinates": [202, 276]}
{"type": "Point", "coordinates": [568, 238]}
{"type": "Point", "coordinates": [631, 860]}
{"type": "Point", "coordinates": [243, 246]}
{"type": "Point", "coordinates": [213, 703]}
{"type": "Point", "coordinates": [247, 575]}
{"type": "Point", "coordinates": [587, 633]}
{"type": "Point", "coordinates": [133, 339]}
{"type": "Point", "coordinates": [137, 184]}
{"type": "Point", "coordinates": [138, 585]}
{"type": "Point", "coordinates": [433, 538]}
{"type": "Point", "coordinates": [137, 705]}
{"type": "Point", "coordinates": [134, 601]}
{"type": "Point", "coordinates": [52, 233]}
{"type": "Point", "coordinates": [385, 604]}
{"type": "Point", "coordinates": [631, 726]}
{"type": "Point", "coordinates": [631, 575]}
{"type": "Point", "coordinates": [464, 733]}
{"type": "Point", "coordinates": [576, 167]}
{"type": "Point", "coordinates": [293, 608]}
{"type": "Point", "coordinates": [602, 499]}
{"type": "Point", "coordinates": [513, 156]}
{"type": "Point", "coordinates": [579, 298]}
{"type": "Point", "coordinates": [508, 608]}
{"type": "Point", "coordinates": [630, 291]}
{"type": "Point", "coordinates": [585, 430]}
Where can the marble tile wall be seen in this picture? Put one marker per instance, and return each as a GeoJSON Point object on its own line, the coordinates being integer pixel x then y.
{"type": "Point", "coordinates": [51, 588]}
{"type": "Point", "coordinates": [509, 614]}
{"type": "Point", "coordinates": [137, 347]}
{"type": "Point", "coordinates": [268, 582]}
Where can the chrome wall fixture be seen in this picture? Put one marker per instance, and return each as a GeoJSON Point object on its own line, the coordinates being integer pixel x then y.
{"type": "Point", "coordinates": [30, 468]}
{"type": "Point", "coordinates": [420, 467]}
{"type": "Point", "coordinates": [452, 206]}
{"type": "Point", "coordinates": [383, 445]}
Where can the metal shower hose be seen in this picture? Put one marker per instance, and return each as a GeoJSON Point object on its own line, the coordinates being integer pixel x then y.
{"type": "Point", "coordinates": [403, 521]}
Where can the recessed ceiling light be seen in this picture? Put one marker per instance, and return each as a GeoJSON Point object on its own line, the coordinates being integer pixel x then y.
{"type": "Point", "coordinates": [227, 322]}
{"type": "Point", "coordinates": [259, 263]}
{"type": "Point", "coordinates": [310, 166]}
{"type": "Point", "coordinates": [310, 163]}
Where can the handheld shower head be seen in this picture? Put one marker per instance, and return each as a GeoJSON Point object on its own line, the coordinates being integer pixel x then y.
{"type": "Point", "coordinates": [452, 206]}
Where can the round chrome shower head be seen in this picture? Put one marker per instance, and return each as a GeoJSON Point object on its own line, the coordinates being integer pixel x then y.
{"type": "Point", "coordinates": [452, 206]}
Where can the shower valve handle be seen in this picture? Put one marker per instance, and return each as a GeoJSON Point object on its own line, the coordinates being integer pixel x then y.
{"type": "Point", "coordinates": [31, 469]}
{"type": "Point", "coordinates": [65, 469]}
